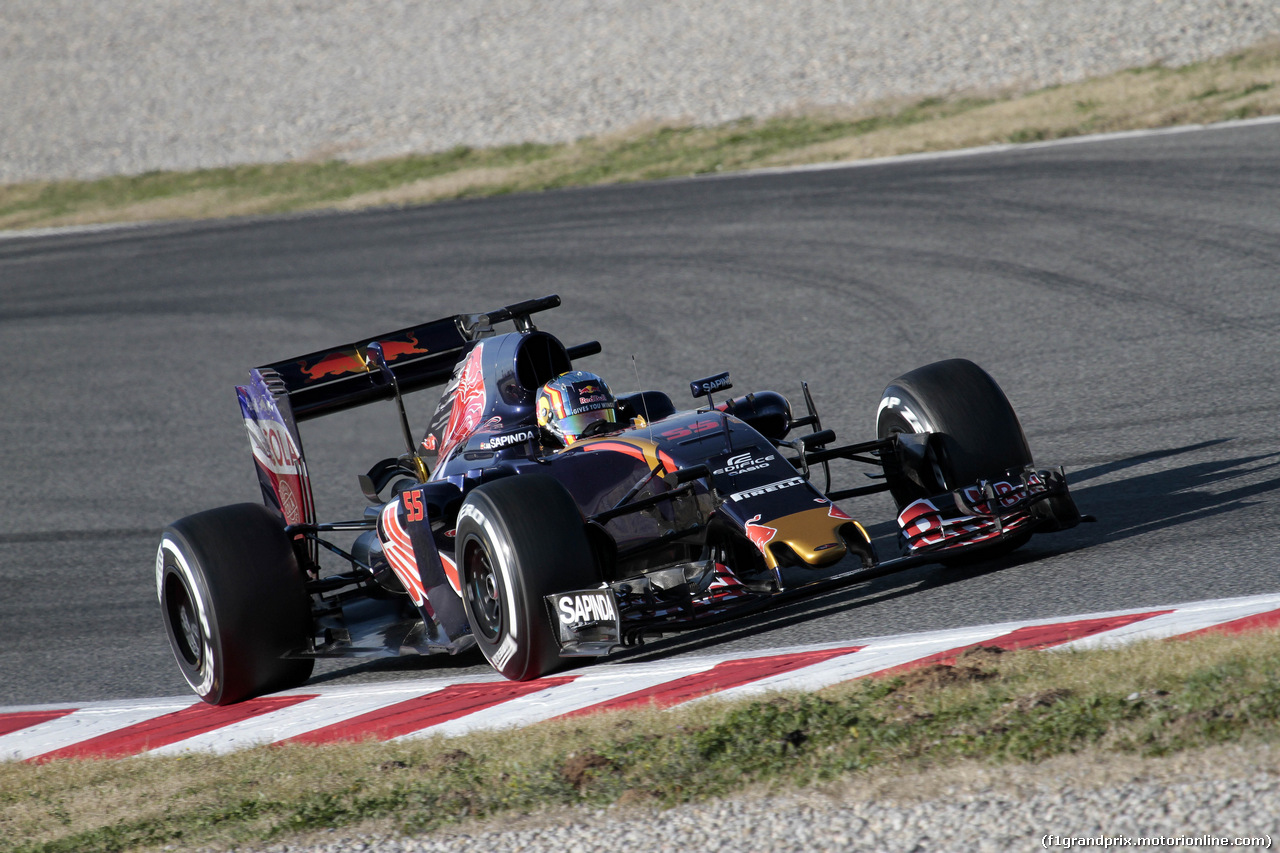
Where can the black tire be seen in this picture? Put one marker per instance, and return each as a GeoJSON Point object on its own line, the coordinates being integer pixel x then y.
{"type": "Point", "coordinates": [233, 601]}
{"type": "Point", "coordinates": [519, 539]}
{"type": "Point", "coordinates": [978, 434]}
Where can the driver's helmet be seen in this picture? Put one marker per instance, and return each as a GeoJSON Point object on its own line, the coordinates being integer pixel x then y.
{"type": "Point", "coordinates": [574, 405]}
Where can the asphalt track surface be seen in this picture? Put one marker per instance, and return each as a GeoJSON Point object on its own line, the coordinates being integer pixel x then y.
{"type": "Point", "coordinates": [1124, 292]}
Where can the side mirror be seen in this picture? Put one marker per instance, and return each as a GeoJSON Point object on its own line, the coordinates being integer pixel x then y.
{"type": "Point", "coordinates": [375, 358]}
{"type": "Point", "coordinates": [712, 384]}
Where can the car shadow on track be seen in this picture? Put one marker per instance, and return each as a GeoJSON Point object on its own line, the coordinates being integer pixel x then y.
{"type": "Point", "coordinates": [353, 671]}
{"type": "Point", "coordinates": [1147, 502]}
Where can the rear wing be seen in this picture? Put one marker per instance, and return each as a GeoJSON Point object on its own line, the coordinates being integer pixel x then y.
{"type": "Point", "coordinates": [334, 379]}
{"type": "Point", "coordinates": [331, 380]}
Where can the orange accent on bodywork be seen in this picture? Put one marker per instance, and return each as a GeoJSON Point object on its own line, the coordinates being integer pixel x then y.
{"type": "Point", "coordinates": [616, 447]}
{"type": "Point", "coordinates": [639, 449]}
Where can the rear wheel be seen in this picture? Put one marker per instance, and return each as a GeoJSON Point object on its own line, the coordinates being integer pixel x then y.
{"type": "Point", "coordinates": [977, 435]}
{"type": "Point", "coordinates": [519, 539]}
{"type": "Point", "coordinates": [233, 602]}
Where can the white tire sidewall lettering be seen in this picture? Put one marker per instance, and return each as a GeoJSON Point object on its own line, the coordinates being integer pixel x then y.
{"type": "Point", "coordinates": [160, 572]}
{"type": "Point", "coordinates": [500, 553]}
{"type": "Point", "coordinates": [506, 651]}
{"type": "Point", "coordinates": [903, 408]}
{"type": "Point", "coordinates": [207, 653]}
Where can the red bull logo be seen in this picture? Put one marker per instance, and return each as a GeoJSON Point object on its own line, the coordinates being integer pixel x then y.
{"type": "Point", "coordinates": [333, 364]}
{"type": "Point", "coordinates": [346, 361]}
{"type": "Point", "coordinates": [759, 533]}
{"type": "Point", "coordinates": [393, 350]}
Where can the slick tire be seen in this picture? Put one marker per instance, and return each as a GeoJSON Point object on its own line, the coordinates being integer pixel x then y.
{"type": "Point", "coordinates": [519, 539]}
{"type": "Point", "coordinates": [978, 435]}
{"type": "Point", "coordinates": [233, 602]}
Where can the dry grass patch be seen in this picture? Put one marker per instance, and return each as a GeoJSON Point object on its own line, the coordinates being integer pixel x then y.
{"type": "Point", "coordinates": [1241, 86]}
{"type": "Point", "coordinates": [197, 204]}
{"type": "Point", "coordinates": [453, 185]}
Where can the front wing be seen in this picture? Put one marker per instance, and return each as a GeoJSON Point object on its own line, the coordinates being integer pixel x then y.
{"type": "Point", "coordinates": [596, 622]}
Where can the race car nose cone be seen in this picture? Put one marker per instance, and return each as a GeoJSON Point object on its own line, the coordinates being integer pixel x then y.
{"type": "Point", "coordinates": [811, 535]}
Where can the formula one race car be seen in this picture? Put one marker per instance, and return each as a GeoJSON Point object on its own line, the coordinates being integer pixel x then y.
{"type": "Point", "coordinates": [542, 519]}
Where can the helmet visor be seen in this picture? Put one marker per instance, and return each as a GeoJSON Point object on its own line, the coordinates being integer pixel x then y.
{"type": "Point", "coordinates": [575, 426]}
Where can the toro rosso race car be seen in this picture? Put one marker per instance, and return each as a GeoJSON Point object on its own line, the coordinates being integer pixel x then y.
{"type": "Point", "coordinates": [543, 519]}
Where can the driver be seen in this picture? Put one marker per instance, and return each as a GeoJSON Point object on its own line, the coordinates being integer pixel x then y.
{"type": "Point", "coordinates": [575, 405]}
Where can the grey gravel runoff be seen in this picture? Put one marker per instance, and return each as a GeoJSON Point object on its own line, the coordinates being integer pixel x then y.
{"type": "Point", "coordinates": [123, 87]}
{"type": "Point", "coordinates": [1136, 814]}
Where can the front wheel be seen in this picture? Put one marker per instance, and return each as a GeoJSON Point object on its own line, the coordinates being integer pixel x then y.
{"type": "Point", "coordinates": [233, 602]}
{"type": "Point", "coordinates": [519, 539]}
{"type": "Point", "coordinates": [978, 434]}
{"type": "Point", "coordinates": [975, 433]}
